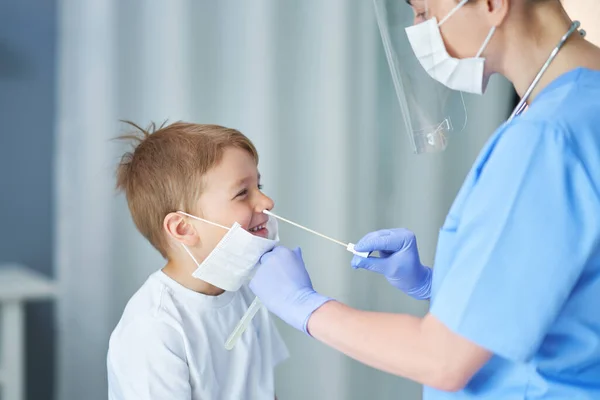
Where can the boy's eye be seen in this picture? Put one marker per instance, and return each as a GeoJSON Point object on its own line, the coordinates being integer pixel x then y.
{"type": "Point", "coordinates": [243, 192]}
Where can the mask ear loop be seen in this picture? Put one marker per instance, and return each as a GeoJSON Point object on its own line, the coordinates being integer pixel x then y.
{"type": "Point", "coordinates": [203, 220]}
{"type": "Point", "coordinates": [190, 254]}
{"type": "Point", "coordinates": [451, 13]}
{"type": "Point", "coordinates": [486, 42]}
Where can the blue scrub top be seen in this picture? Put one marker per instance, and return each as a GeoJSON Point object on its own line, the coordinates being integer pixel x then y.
{"type": "Point", "coordinates": [517, 268]}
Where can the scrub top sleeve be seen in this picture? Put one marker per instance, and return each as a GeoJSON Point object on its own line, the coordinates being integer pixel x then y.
{"type": "Point", "coordinates": [527, 230]}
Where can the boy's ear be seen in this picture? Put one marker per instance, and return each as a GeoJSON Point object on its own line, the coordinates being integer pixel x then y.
{"type": "Point", "coordinates": [177, 227]}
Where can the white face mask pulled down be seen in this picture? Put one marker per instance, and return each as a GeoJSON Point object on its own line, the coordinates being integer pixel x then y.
{"type": "Point", "coordinates": [233, 260]}
{"type": "Point", "coordinates": [466, 75]}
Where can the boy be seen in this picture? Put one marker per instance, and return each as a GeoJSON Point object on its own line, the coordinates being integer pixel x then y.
{"type": "Point", "coordinates": [169, 343]}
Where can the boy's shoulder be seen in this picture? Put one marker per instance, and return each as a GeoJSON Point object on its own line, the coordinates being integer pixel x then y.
{"type": "Point", "coordinates": [147, 334]}
{"type": "Point", "coordinates": [148, 312]}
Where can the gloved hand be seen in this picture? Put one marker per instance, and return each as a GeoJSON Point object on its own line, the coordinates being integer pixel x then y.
{"type": "Point", "coordinates": [284, 287]}
{"type": "Point", "coordinates": [399, 261]}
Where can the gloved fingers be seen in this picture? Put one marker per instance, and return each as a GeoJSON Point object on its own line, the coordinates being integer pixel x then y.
{"type": "Point", "coordinates": [385, 240]}
{"type": "Point", "coordinates": [273, 253]}
{"type": "Point", "coordinates": [357, 261]}
{"type": "Point", "coordinates": [298, 252]}
{"type": "Point", "coordinates": [370, 264]}
{"type": "Point", "coordinates": [370, 242]}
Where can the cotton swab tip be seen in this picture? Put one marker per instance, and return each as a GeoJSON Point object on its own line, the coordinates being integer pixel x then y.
{"type": "Point", "coordinates": [362, 254]}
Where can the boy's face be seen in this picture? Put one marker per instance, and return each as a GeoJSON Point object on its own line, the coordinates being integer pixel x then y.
{"type": "Point", "coordinates": [231, 194]}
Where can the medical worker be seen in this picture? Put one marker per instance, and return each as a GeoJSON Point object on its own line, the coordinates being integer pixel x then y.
{"type": "Point", "coordinates": [515, 292]}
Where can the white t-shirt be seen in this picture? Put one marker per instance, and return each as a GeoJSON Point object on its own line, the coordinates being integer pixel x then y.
{"type": "Point", "coordinates": [169, 344]}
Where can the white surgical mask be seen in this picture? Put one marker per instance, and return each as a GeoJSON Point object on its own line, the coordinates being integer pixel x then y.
{"type": "Point", "coordinates": [465, 74]}
{"type": "Point", "coordinates": [233, 260]}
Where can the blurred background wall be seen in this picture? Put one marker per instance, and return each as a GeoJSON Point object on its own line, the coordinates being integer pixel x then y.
{"type": "Point", "coordinates": [28, 39]}
{"type": "Point", "coordinates": [306, 80]}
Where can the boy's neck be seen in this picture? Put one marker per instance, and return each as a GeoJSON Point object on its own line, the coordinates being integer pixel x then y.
{"type": "Point", "coordinates": [182, 275]}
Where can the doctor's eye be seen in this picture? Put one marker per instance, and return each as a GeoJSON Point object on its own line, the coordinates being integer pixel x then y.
{"type": "Point", "coordinates": [420, 17]}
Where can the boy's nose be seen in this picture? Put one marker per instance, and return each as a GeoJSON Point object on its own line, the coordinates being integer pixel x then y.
{"type": "Point", "coordinates": [265, 203]}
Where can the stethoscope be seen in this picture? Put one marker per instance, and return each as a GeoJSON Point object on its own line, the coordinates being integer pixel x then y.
{"type": "Point", "coordinates": [523, 103]}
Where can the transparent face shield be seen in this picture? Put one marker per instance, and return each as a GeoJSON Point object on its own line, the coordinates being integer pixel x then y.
{"type": "Point", "coordinates": [431, 111]}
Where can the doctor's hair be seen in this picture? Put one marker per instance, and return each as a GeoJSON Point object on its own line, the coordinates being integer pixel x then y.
{"type": "Point", "coordinates": [527, 1]}
{"type": "Point", "coordinates": [164, 170]}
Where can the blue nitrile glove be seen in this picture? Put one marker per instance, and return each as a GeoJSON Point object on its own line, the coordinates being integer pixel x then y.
{"type": "Point", "coordinates": [399, 261]}
{"type": "Point", "coordinates": [282, 284]}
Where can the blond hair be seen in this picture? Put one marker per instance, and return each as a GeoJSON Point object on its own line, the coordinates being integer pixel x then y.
{"type": "Point", "coordinates": [163, 173]}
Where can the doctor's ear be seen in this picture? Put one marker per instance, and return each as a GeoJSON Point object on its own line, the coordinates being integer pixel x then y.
{"type": "Point", "coordinates": [497, 11]}
{"type": "Point", "coordinates": [178, 227]}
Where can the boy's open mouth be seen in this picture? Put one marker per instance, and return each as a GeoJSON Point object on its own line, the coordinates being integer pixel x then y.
{"type": "Point", "coordinates": [259, 230]}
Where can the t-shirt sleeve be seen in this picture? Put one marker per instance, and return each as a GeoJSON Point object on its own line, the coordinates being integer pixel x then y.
{"type": "Point", "coordinates": [272, 342]}
{"type": "Point", "coordinates": [279, 349]}
{"type": "Point", "coordinates": [528, 229]}
{"type": "Point", "coordinates": [148, 361]}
